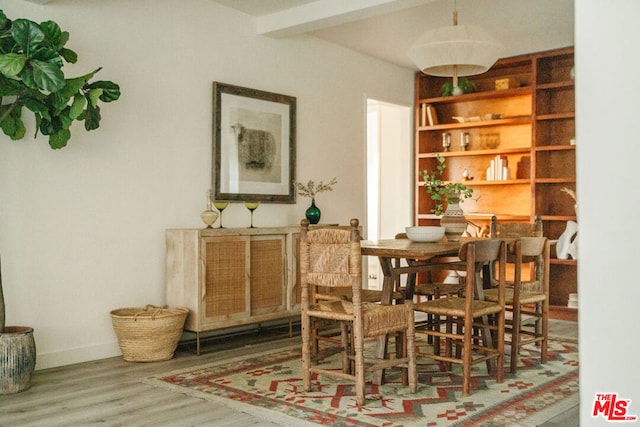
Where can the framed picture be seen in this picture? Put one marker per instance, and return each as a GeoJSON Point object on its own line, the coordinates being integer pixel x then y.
{"type": "Point", "coordinates": [254, 145]}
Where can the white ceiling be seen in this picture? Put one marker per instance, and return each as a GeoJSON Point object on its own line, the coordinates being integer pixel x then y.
{"type": "Point", "coordinates": [386, 28]}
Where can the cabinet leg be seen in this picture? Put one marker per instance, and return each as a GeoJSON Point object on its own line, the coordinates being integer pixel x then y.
{"type": "Point", "coordinates": [197, 343]}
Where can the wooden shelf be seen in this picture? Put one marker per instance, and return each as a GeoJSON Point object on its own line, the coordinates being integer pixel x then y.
{"type": "Point", "coordinates": [556, 116]}
{"type": "Point", "coordinates": [556, 85]}
{"type": "Point", "coordinates": [480, 123]}
{"type": "Point", "coordinates": [467, 97]}
{"type": "Point", "coordinates": [474, 153]}
{"type": "Point", "coordinates": [475, 183]}
{"type": "Point", "coordinates": [556, 148]}
{"type": "Point", "coordinates": [573, 262]}
{"type": "Point", "coordinates": [534, 136]}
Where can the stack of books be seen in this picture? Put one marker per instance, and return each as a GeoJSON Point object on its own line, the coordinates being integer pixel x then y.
{"type": "Point", "coordinates": [498, 170]}
{"type": "Point", "coordinates": [573, 301]}
{"type": "Point", "coordinates": [428, 115]}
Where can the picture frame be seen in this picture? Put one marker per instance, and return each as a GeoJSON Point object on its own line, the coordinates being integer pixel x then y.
{"type": "Point", "coordinates": [254, 145]}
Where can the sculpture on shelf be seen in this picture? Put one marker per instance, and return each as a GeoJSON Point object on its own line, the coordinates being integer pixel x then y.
{"type": "Point", "coordinates": [568, 242]}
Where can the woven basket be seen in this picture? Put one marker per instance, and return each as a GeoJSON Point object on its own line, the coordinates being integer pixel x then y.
{"type": "Point", "coordinates": [148, 334]}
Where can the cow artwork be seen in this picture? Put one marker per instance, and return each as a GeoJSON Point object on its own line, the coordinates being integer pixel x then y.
{"type": "Point", "coordinates": [256, 148]}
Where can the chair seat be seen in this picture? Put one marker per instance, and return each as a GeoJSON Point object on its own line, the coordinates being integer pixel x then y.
{"type": "Point", "coordinates": [525, 297]}
{"type": "Point", "coordinates": [366, 295]}
{"type": "Point", "coordinates": [438, 289]}
{"type": "Point", "coordinates": [454, 306]}
{"type": "Point", "coordinates": [378, 319]}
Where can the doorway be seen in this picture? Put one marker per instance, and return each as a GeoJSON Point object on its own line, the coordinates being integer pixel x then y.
{"type": "Point", "coordinates": [389, 175]}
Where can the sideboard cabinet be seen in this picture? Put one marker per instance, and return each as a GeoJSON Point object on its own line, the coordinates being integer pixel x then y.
{"type": "Point", "coordinates": [521, 116]}
{"type": "Point", "coordinates": [231, 276]}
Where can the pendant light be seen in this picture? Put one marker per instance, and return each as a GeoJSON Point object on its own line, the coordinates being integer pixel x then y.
{"type": "Point", "coordinates": [456, 51]}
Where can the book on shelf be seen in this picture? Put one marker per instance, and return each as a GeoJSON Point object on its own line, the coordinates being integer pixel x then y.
{"type": "Point", "coordinates": [498, 169]}
{"type": "Point", "coordinates": [428, 116]}
{"type": "Point", "coordinates": [432, 116]}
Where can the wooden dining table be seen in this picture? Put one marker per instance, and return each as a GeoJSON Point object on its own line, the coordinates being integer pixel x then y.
{"type": "Point", "coordinates": [418, 255]}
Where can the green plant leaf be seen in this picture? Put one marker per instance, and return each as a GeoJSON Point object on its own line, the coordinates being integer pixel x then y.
{"type": "Point", "coordinates": [59, 138]}
{"type": "Point", "coordinates": [46, 54]}
{"type": "Point", "coordinates": [10, 84]}
{"type": "Point", "coordinates": [77, 106]}
{"type": "Point", "coordinates": [70, 56]}
{"type": "Point", "coordinates": [91, 117]}
{"type": "Point", "coordinates": [35, 105]}
{"type": "Point", "coordinates": [12, 125]}
{"type": "Point", "coordinates": [63, 120]}
{"type": "Point", "coordinates": [12, 63]}
{"type": "Point", "coordinates": [94, 96]}
{"type": "Point", "coordinates": [27, 35]}
{"type": "Point", "coordinates": [111, 91]}
{"type": "Point", "coordinates": [47, 76]}
{"type": "Point", "coordinates": [54, 36]}
{"type": "Point", "coordinates": [73, 86]}
{"type": "Point", "coordinates": [46, 127]}
{"type": "Point", "coordinates": [4, 21]}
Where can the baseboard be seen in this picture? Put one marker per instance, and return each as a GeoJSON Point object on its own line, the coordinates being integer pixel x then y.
{"type": "Point", "coordinates": [77, 355]}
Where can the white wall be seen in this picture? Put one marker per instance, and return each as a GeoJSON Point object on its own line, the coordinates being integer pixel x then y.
{"type": "Point", "coordinates": [82, 229]}
{"type": "Point", "coordinates": [608, 152]}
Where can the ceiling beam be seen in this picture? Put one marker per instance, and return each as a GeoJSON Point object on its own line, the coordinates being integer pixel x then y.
{"type": "Point", "coordinates": [326, 13]}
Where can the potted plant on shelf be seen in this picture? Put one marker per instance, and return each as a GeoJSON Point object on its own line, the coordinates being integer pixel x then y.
{"type": "Point", "coordinates": [449, 193]}
{"type": "Point", "coordinates": [31, 59]}
{"type": "Point", "coordinates": [310, 189]}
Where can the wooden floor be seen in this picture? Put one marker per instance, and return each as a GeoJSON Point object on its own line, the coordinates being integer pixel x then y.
{"type": "Point", "coordinates": [109, 391]}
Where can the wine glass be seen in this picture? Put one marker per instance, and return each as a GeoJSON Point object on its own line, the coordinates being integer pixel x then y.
{"type": "Point", "coordinates": [252, 206]}
{"type": "Point", "coordinates": [220, 205]}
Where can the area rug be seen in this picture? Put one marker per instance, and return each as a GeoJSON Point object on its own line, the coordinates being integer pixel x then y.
{"type": "Point", "coordinates": [268, 385]}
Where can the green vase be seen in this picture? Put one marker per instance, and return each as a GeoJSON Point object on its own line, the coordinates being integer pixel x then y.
{"type": "Point", "coordinates": [313, 213]}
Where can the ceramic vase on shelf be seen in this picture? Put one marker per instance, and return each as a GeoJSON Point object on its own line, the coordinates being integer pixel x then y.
{"type": "Point", "coordinates": [313, 213]}
{"type": "Point", "coordinates": [209, 216]}
{"type": "Point", "coordinates": [453, 220]}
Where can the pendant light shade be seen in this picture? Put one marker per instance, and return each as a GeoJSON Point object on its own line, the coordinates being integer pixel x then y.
{"type": "Point", "coordinates": [459, 50]}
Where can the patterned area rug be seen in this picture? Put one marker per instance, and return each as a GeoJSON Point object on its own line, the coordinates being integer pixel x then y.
{"type": "Point", "coordinates": [268, 385]}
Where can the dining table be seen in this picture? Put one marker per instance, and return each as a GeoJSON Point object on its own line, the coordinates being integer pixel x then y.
{"type": "Point", "coordinates": [418, 256]}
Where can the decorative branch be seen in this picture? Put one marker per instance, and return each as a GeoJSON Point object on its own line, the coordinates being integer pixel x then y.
{"type": "Point", "coordinates": [311, 188]}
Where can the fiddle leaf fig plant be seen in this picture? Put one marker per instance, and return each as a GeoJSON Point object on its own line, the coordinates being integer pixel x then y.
{"type": "Point", "coordinates": [31, 59]}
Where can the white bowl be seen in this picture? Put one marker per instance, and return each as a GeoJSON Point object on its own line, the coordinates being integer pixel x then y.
{"type": "Point", "coordinates": [424, 233]}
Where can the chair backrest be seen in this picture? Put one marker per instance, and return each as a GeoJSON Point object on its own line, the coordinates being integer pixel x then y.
{"type": "Point", "coordinates": [505, 230]}
{"type": "Point", "coordinates": [534, 250]}
{"type": "Point", "coordinates": [478, 254]}
{"type": "Point", "coordinates": [331, 257]}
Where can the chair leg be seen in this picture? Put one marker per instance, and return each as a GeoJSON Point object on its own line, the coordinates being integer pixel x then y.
{"type": "Point", "coordinates": [411, 356]}
{"type": "Point", "coordinates": [467, 356]}
{"type": "Point", "coordinates": [359, 369]}
{"type": "Point", "coordinates": [346, 347]}
{"type": "Point", "coordinates": [404, 344]}
{"type": "Point", "coordinates": [500, 347]}
{"type": "Point", "coordinates": [305, 327]}
{"type": "Point", "coordinates": [545, 331]}
{"type": "Point", "coordinates": [515, 337]}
